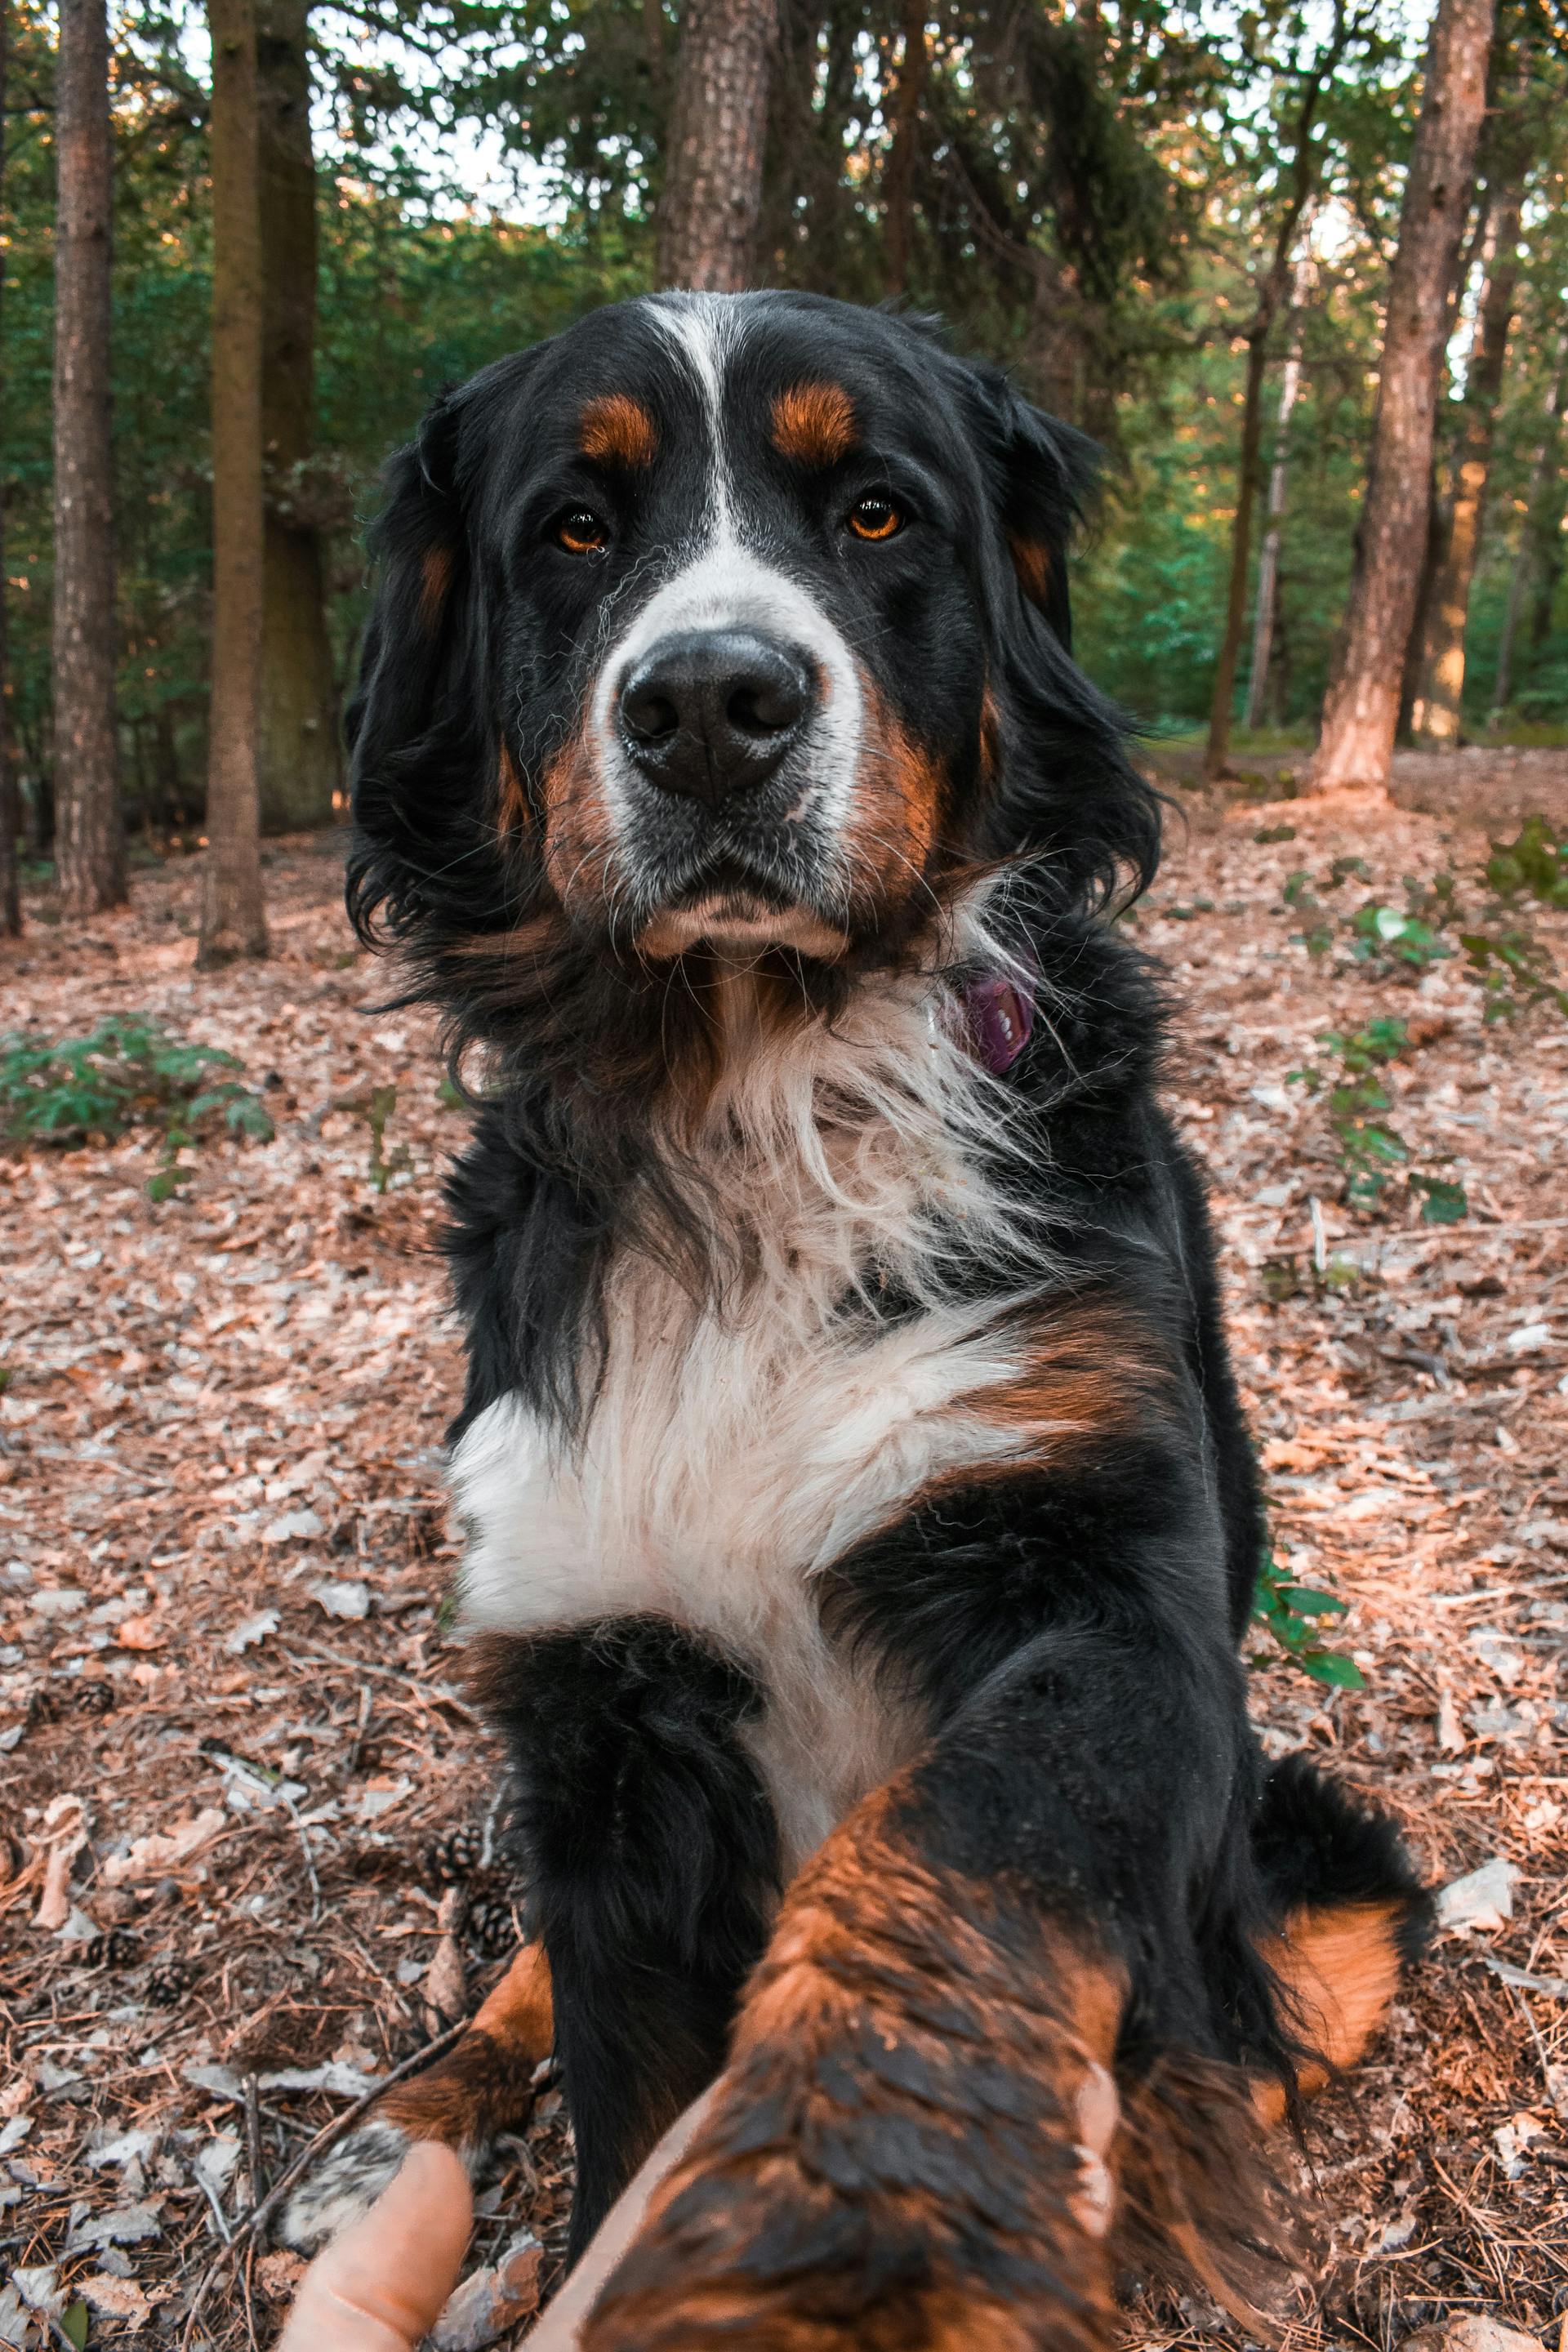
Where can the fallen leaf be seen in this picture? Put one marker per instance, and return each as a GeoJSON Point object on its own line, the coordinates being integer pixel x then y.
{"type": "Point", "coordinates": [164, 1849]}
{"type": "Point", "coordinates": [492, 2300]}
{"type": "Point", "coordinates": [251, 1631]}
{"type": "Point", "coordinates": [117, 2299]}
{"type": "Point", "coordinates": [1483, 1898]}
{"type": "Point", "coordinates": [142, 1633]}
{"type": "Point", "coordinates": [349, 1600]}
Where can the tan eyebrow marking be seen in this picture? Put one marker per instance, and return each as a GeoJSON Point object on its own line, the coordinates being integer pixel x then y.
{"type": "Point", "coordinates": [814, 423]}
{"type": "Point", "coordinates": [616, 430]}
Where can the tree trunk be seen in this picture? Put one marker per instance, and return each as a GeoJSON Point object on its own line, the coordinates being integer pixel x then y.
{"type": "Point", "coordinates": [1436, 718]}
{"type": "Point", "coordinates": [90, 843]}
{"type": "Point", "coordinates": [713, 176]}
{"type": "Point", "coordinates": [1360, 709]}
{"type": "Point", "coordinates": [1268, 560]}
{"type": "Point", "coordinates": [1218, 751]}
{"type": "Point", "coordinates": [233, 920]}
{"type": "Point", "coordinates": [298, 709]}
{"type": "Point", "coordinates": [1542, 469]}
{"type": "Point", "coordinates": [1431, 565]}
{"type": "Point", "coordinates": [898, 195]}
{"type": "Point", "coordinates": [10, 815]}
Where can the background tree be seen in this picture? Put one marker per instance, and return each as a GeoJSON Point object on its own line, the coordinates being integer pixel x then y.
{"type": "Point", "coordinates": [1312, 79]}
{"type": "Point", "coordinates": [10, 896]}
{"type": "Point", "coordinates": [1361, 708]}
{"type": "Point", "coordinates": [299, 691]}
{"type": "Point", "coordinates": [89, 838]}
{"type": "Point", "coordinates": [711, 196]}
{"type": "Point", "coordinates": [234, 921]}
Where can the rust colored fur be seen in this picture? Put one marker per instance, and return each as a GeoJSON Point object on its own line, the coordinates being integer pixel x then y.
{"type": "Point", "coordinates": [616, 430]}
{"type": "Point", "coordinates": [1338, 1971]}
{"type": "Point", "coordinates": [814, 423]}
{"type": "Point", "coordinates": [484, 2085]}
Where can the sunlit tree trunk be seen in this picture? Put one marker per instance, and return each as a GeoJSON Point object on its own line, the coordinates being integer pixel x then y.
{"type": "Point", "coordinates": [1271, 290]}
{"type": "Point", "coordinates": [299, 710]}
{"type": "Point", "coordinates": [1268, 559]}
{"type": "Point", "coordinates": [897, 188]}
{"type": "Point", "coordinates": [10, 894]}
{"type": "Point", "coordinates": [1437, 712]}
{"type": "Point", "coordinates": [1543, 472]}
{"type": "Point", "coordinates": [1361, 710]}
{"type": "Point", "coordinates": [234, 922]}
{"type": "Point", "coordinates": [89, 843]}
{"type": "Point", "coordinates": [707, 222]}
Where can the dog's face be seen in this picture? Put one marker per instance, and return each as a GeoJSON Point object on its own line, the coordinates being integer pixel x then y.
{"type": "Point", "coordinates": [724, 624]}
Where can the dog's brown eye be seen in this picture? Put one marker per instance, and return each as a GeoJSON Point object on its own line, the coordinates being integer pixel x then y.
{"type": "Point", "coordinates": [581, 533]}
{"type": "Point", "coordinates": [875, 519]}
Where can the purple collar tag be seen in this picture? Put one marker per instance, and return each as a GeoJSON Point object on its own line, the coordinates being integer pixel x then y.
{"type": "Point", "coordinates": [1001, 1021]}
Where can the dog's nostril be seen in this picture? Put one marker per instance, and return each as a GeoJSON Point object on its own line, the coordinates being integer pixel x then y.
{"type": "Point", "coordinates": [650, 716]}
{"type": "Point", "coordinates": [767, 705]}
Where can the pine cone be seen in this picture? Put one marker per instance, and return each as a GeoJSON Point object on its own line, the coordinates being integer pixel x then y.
{"type": "Point", "coordinates": [453, 1858]}
{"type": "Point", "coordinates": [116, 1948]}
{"type": "Point", "coordinates": [490, 1927]}
{"type": "Point", "coordinates": [96, 1697]}
{"type": "Point", "coordinates": [168, 1980]}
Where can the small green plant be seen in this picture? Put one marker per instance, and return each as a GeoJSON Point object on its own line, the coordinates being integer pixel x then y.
{"type": "Point", "coordinates": [376, 1109]}
{"type": "Point", "coordinates": [1355, 1098]}
{"type": "Point", "coordinates": [1268, 834]}
{"type": "Point", "coordinates": [1382, 935]}
{"type": "Point", "coordinates": [1292, 1615]}
{"type": "Point", "coordinates": [124, 1073]}
{"type": "Point", "coordinates": [1534, 867]}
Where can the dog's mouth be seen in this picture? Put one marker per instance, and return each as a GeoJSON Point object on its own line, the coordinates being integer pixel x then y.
{"type": "Point", "coordinates": [742, 920]}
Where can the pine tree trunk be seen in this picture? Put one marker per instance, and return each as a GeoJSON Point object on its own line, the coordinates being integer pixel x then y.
{"type": "Point", "coordinates": [1360, 709]}
{"type": "Point", "coordinates": [10, 815]}
{"type": "Point", "coordinates": [298, 709]}
{"type": "Point", "coordinates": [1218, 751]}
{"type": "Point", "coordinates": [1542, 469]}
{"type": "Point", "coordinates": [90, 843]}
{"type": "Point", "coordinates": [1436, 716]}
{"type": "Point", "coordinates": [713, 178]}
{"type": "Point", "coordinates": [234, 922]}
{"type": "Point", "coordinates": [1264, 623]}
{"type": "Point", "coordinates": [897, 194]}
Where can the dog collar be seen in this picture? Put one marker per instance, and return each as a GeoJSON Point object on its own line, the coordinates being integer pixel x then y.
{"type": "Point", "coordinates": [1000, 1019]}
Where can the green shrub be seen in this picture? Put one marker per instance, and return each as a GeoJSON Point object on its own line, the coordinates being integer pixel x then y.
{"type": "Point", "coordinates": [124, 1073]}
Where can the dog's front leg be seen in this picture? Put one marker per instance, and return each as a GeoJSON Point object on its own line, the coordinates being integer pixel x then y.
{"type": "Point", "coordinates": [919, 2141]}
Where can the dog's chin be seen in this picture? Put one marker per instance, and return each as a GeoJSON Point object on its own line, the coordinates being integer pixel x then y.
{"type": "Point", "coordinates": [739, 926]}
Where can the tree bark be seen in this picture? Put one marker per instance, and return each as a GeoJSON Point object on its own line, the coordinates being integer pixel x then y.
{"type": "Point", "coordinates": [1271, 290]}
{"type": "Point", "coordinates": [1543, 472]}
{"type": "Point", "coordinates": [1360, 709]}
{"type": "Point", "coordinates": [89, 842]}
{"type": "Point", "coordinates": [234, 923]}
{"type": "Point", "coordinates": [707, 222]}
{"type": "Point", "coordinates": [897, 194]}
{"type": "Point", "coordinates": [10, 815]}
{"type": "Point", "coordinates": [1268, 560]}
{"type": "Point", "coordinates": [1437, 714]}
{"type": "Point", "coordinates": [298, 709]}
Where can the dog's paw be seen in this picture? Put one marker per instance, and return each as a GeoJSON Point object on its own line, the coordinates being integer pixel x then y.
{"type": "Point", "coordinates": [345, 2186]}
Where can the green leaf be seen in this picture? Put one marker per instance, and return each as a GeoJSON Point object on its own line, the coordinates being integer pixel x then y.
{"type": "Point", "coordinates": [73, 2323]}
{"type": "Point", "coordinates": [1309, 1603]}
{"type": "Point", "coordinates": [1335, 1667]}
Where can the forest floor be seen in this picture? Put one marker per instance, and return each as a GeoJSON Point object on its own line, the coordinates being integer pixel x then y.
{"type": "Point", "coordinates": [231, 1725]}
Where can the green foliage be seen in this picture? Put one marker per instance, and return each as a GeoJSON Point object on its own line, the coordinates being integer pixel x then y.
{"type": "Point", "coordinates": [376, 1109]}
{"type": "Point", "coordinates": [1508, 959]}
{"type": "Point", "coordinates": [1534, 867]}
{"type": "Point", "coordinates": [1385, 935]}
{"type": "Point", "coordinates": [1372, 1151]}
{"type": "Point", "coordinates": [1292, 1615]}
{"type": "Point", "coordinates": [123, 1073]}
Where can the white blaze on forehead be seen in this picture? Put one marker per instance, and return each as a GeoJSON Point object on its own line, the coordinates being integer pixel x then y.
{"type": "Point", "coordinates": [726, 585]}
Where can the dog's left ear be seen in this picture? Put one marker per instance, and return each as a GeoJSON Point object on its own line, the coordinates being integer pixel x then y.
{"type": "Point", "coordinates": [1043, 475]}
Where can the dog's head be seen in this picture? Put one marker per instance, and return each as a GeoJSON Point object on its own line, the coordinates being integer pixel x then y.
{"type": "Point", "coordinates": [724, 625]}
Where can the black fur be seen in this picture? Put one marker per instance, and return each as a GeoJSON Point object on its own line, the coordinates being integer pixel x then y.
{"type": "Point", "coordinates": [1069, 1635]}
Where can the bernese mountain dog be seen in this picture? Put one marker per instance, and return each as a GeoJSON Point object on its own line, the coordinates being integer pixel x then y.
{"type": "Point", "coordinates": [862, 1520]}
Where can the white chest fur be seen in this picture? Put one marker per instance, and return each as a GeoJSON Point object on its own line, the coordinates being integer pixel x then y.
{"type": "Point", "coordinates": [739, 1445]}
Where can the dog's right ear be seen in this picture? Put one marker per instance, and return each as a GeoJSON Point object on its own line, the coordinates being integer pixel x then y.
{"type": "Point", "coordinates": [411, 725]}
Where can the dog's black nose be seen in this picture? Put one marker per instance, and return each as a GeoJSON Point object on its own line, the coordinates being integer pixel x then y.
{"type": "Point", "coordinates": [713, 711]}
